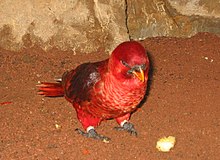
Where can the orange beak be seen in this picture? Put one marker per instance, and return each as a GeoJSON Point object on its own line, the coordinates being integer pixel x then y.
{"type": "Point", "coordinates": [139, 74]}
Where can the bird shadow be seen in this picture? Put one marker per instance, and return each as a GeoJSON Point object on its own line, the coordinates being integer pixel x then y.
{"type": "Point", "coordinates": [150, 79]}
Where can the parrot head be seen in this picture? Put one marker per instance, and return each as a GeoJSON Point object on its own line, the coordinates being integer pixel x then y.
{"type": "Point", "coordinates": [129, 61]}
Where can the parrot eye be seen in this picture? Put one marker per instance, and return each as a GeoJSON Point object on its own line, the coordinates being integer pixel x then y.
{"type": "Point", "coordinates": [125, 64]}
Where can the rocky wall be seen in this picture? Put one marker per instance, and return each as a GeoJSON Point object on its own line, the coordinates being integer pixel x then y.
{"type": "Point", "coordinates": [87, 26]}
{"type": "Point", "coordinates": [177, 18]}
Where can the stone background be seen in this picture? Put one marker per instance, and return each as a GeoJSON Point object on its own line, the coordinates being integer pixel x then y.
{"type": "Point", "coordinates": [87, 26]}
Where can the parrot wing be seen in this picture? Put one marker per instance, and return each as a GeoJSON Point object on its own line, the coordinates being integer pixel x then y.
{"type": "Point", "coordinates": [79, 83]}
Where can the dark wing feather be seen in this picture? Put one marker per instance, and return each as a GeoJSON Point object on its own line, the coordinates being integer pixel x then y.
{"type": "Point", "coordinates": [79, 82]}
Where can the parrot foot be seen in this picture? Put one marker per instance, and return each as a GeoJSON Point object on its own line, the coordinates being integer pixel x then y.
{"type": "Point", "coordinates": [91, 133]}
{"type": "Point", "coordinates": [129, 127]}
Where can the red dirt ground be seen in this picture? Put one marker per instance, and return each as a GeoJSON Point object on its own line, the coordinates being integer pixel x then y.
{"type": "Point", "coordinates": [183, 101]}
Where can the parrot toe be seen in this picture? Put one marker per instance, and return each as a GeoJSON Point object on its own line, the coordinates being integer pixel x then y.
{"type": "Point", "coordinates": [129, 127]}
{"type": "Point", "coordinates": [93, 134]}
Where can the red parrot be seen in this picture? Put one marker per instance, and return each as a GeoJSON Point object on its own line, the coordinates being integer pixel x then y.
{"type": "Point", "coordinates": [108, 89]}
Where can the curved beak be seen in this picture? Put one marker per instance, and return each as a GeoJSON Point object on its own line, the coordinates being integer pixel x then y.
{"type": "Point", "coordinates": [139, 74]}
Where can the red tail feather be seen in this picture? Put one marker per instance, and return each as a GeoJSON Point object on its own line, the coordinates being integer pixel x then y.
{"type": "Point", "coordinates": [50, 89]}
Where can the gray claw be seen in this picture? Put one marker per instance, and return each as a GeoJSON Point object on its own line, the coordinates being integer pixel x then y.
{"type": "Point", "coordinates": [93, 134]}
{"type": "Point", "coordinates": [129, 127]}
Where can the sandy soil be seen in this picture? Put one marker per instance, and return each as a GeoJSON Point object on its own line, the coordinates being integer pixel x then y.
{"type": "Point", "coordinates": [183, 101]}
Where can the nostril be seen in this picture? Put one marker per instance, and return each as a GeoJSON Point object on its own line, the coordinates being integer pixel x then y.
{"type": "Point", "coordinates": [143, 67]}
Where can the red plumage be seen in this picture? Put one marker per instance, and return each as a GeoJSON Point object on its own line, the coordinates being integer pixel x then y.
{"type": "Point", "coordinates": [107, 89]}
